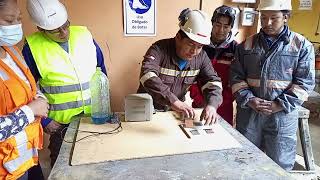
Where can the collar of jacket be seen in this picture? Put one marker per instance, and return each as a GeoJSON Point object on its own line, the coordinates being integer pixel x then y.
{"type": "Point", "coordinates": [280, 37]}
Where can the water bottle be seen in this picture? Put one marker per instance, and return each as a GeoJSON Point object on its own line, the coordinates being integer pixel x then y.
{"type": "Point", "coordinates": [100, 97]}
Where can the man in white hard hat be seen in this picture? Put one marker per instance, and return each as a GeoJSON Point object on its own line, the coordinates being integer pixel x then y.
{"type": "Point", "coordinates": [271, 77]}
{"type": "Point", "coordinates": [62, 58]}
{"type": "Point", "coordinates": [171, 66]}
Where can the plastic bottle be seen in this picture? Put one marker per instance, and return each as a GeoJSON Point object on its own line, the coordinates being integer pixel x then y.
{"type": "Point", "coordinates": [100, 97]}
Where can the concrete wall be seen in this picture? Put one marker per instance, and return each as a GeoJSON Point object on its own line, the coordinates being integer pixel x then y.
{"type": "Point", "coordinates": [104, 18]}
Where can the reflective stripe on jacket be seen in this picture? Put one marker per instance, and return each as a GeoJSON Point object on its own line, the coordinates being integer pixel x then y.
{"type": "Point", "coordinates": [284, 72]}
{"type": "Point", "coordinates": [19, 152]}
{"type": "Point", "coordinates": [65, 76]}
{"type": "Point", "coordinates": [162, 78]}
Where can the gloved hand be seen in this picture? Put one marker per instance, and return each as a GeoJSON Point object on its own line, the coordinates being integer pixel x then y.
{"type": "Point", "coordinates": [183, 108]}
{"type": "Point", "coordinates": [209, 114]}
{"type": "Point", "coordinates": [52, 127]}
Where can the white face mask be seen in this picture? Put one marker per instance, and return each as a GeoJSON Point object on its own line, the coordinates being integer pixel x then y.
{"type": "Point", "coordinates": [10, 35]}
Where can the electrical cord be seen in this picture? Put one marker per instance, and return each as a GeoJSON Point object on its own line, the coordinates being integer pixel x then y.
{"type": "Point", "coordinates": [92, 133]}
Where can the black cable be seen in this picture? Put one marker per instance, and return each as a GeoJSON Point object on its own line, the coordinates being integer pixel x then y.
{"type": "Point", "coordinates": [93, 133]}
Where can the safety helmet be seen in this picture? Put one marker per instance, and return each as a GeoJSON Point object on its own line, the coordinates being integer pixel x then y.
{"type": "Point", "coordinates": [196, 25]}
{"type": "Point", "coordinates": [47, 14]}
{"type": "Point", "coordinates": [226, 11]}
{"type": "Point", "coordinates": [275, 5]}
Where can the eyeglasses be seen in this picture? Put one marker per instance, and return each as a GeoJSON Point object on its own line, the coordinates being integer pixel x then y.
{"type": "Point", "coordinates": [58, 30]}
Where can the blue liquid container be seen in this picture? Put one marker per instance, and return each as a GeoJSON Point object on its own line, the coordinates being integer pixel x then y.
{"type": "Point", "coordinates": [100, 97]}
{"type": "Point", "coordinates": [99, 119]}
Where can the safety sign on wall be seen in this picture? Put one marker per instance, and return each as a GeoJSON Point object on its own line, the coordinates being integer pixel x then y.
{"type": "Point", "coordinates": [305, 5]}
{"type": "Point", "coordinates": [139, 17]}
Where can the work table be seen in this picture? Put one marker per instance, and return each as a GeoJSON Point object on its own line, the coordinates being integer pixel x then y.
{"type": "Point", "coordinates": [247, 162]}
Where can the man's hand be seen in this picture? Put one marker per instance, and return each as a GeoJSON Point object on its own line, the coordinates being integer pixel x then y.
{"type": "Point", "coordinates": [39, 107]}
{"type": "Point", "coordinates": [264, 106]}
{"type": "Point", "coordinates": [209, 114]}
{"type": "Point", "coordinates": [52, 127]}
{"type": "Point", "coordinates": [183, 108]}
{"type": "Point", "coordinates": [274, 107]}
{"type": "Point", "coordinates": [258, 104]}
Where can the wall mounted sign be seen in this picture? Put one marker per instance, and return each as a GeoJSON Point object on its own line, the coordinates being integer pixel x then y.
{"type": "Point", "coordinates": [139, 17]}
{"type": "Point", "coordinates": [305, 5]}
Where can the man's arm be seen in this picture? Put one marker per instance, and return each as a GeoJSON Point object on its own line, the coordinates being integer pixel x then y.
{"type": "Point", "coordinates": [15, 122]}
{"type": "Point", "coordinates": [303, 80]}
{"type": "Point", "coordinates": [27, 54]}
{"type": "Point", "coordinates": [149, 77]}
{"type": "Point", "coordinates": [238, 82]}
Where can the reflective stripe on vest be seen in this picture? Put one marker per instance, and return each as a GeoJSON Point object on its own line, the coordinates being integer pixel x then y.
{"type": "Point", "coordinates": [65, 76]}
{"type": "Point", "coordinates": [17, 54]}
{"type": "Point", "coordinates": [65, 89]}
{"type": "Point", "coordinates": [3, 75]}
{"type": "Point", "coordinates": [24, 153]}
{"type": "Point", "coordinates": [69, 105]}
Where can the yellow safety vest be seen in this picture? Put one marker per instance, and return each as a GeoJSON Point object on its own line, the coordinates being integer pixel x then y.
{"type": "Point", "coordinates": [65, 76]}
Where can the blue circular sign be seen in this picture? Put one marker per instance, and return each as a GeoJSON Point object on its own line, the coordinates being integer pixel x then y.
{"type": "Point", "coordinates": [140, 6]}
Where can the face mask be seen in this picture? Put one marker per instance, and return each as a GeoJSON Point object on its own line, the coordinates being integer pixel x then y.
{"type": "Point", "coordinates": [10, 35]}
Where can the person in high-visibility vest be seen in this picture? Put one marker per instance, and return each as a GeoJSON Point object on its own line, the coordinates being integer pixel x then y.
{"type": "Point", "coordinates": [62, 58]}
{"type": "Point", "coordinates": [21, 105]}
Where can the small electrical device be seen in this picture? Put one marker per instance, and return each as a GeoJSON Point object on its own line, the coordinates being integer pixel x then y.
{"type": "Point", "coordinates": [138, 107]}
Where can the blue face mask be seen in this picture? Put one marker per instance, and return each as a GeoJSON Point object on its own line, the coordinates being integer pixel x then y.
{"type": "Point", "coordinates": [10, 35]}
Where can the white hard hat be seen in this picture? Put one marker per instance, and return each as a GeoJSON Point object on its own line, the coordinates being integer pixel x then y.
{"type": "Point", "coordinates": [196, 25]}
{"type": "Point", "coordinates": [275, 5]}
{"type": "Point", "coordinates": [47, 14]}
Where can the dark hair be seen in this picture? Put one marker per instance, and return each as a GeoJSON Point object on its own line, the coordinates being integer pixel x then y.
{"type": "Point", "coordinates": [286, 12]}
{"type": "Point", "coordinates": [3, 3]}
{"type": "Point", "coordinates": [182, 34]}
{"type": "Point", "coordinates": [218, 16]}
{"type": "Point", "coordinates": [224, 11]}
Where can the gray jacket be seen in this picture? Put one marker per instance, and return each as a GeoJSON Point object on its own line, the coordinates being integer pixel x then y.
{"type": "Point", "coordinates": [283, 72]}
